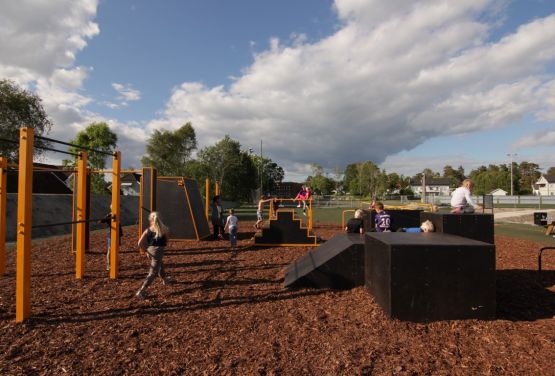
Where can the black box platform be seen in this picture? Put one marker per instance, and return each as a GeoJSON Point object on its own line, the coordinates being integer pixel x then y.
{"type": "Point", "coordinates": [473, 226]}
{"type": "Point", "coordinates": [336, 264]}
{"type": "Point", "coordinates": [430, 276]}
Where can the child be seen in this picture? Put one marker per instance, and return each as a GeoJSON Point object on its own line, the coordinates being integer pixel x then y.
{"type": "Point", "coordinates": [461, 201]}
{"type": "Point", "coordinates": [300, 196]}
{"type": "Point", "coordinates": [355, 225]}
{"type": "Point", "coordinates": [259, 218]}
{"type": "Point", "coordinates": [154, 239]}
{"type": "Point", "coordinates": [108, 220]}
{"type": "Point", "coordinates": [382, 219]}
{"type": "Point", "coordinates": [307, 195]}
{"type": "Point", "coordinates": [231, 226]}
{"type": "Point", "coordinates": [217, 218]}
{"type": "Point", "coordinates": [426, 226]}
{"type": "Point", "coordinates": [275, 206]}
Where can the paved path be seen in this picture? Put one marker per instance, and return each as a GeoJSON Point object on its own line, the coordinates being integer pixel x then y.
{"type": "Point", "coordinates": [519, 213]}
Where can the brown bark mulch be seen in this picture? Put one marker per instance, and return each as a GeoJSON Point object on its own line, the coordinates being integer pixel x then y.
{"type": "Point", "coordinates": [228, 313]}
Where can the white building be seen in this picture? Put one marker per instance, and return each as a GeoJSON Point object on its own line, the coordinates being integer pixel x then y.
{"type": "Point", "coordinates": [545, 186]}
{"type": "Point", "coordinates": [434, 187]}
{"type": "Point", "coordinates": [498, 192]}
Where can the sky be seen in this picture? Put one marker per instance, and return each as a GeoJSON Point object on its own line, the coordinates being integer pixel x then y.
{"type": "Point", "coordinates": [408, 84]}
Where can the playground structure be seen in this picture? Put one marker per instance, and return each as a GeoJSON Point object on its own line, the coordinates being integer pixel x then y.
{"type": "Point", "coordinates": [286, 228]}
{"type": "Point", "coordinates": [411, 275]}
{"type": "Point", "coordinates": [24, 215]}
{"type": "Point", "coordinates": [81, 209]}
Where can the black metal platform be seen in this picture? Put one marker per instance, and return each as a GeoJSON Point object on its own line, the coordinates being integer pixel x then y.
{"type": "Point", "coordinates": [336, 264]}
{"type": "Point", "coordinates": [431, 276]}
{"type": "Point", "coordinates": [285, 230]}
{"type": "Point", "coordinates": [473, 226]}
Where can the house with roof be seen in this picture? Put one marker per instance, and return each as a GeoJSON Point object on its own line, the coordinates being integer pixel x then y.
{"type": "Point", "coordinates": [545, 186]}
{"type": "Point", "coordinates": [498, 192]}
{"type": "Point", "coordinates": [131, 184]}
{"type": "Point", "coordinates": [434, 186]}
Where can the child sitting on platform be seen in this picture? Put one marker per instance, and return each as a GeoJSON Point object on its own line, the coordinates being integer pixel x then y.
{"type": "Point", "coordinates": [426, 226]}
{"type": "Point", "coordinates": [461, 201]}
{"type": "Point", "coordinates": [355, 225]}
{"type": "Point", "coordinates": [382, 219]}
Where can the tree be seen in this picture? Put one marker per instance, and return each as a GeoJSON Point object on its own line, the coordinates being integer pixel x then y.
{"type": "Point", "coordinates": [551, 171]}
{"type": "Point", "coordinates": [170, 152]}
{"type": "Point", "coordinates": [20, 108]}
{"type": "Point", "coordinates": [529, 173]}
{"type": "Point", "coordinates": [318, 182]}
{"type": "Point", "coordinates": [96, 136]}
{"type": "Point", "coordinates": [455, 176]}
{"type": "Point", "coordinates": [271, 172]}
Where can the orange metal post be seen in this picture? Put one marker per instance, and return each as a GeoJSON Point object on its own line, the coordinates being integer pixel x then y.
{"type": "Point", "coordinates": [3, 194]}
{"type": "Point", "coordinates": [114, 227]}
{"type": "Point", "coordinates": [81, 215]}
{"type": "Point", "coordinates": [24, 219]}
{"type": "Point", "coordinates": [207, 198]}
{"type": "Point", "coordinates": [216, 189]}
{"type": "Point", "coordinates": [310, 214]}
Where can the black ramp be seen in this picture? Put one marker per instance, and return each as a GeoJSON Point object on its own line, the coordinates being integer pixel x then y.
{"type": "Point", "coordinates": [336, 264]}
{"type": "Point", "coordinates": [197, 208]}
{"type": "Point", "coordinates": [171, 203]}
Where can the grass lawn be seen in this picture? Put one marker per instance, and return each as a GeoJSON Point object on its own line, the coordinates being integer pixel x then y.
{"type": "Point", "coordinates": [524, 231]}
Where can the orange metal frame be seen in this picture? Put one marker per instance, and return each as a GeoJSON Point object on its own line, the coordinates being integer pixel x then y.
{"type": "Point", "coordinates": [24, 223]}
{"type": "Point", "coordinates": [114, 229]}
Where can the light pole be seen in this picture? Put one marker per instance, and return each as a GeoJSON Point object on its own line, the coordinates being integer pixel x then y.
{"type": "Point", "coordinates": [260, 168]}
{"type": "Point", "coordinates": [512, 155]}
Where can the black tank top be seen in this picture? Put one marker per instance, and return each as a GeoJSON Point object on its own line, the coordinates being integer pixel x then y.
{"type": "Point", "coordinates": [152, 240]}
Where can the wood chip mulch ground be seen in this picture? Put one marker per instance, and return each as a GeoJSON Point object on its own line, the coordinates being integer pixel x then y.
{"type": "Point", "coordinates": [228, 313]}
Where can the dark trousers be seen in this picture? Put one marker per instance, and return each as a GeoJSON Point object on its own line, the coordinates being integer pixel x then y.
{"type": "Point", "coordinates": [233, 236]}
{"type": "Point", "coordinates": [155, 254]}
{"type": "Point", "coordinates": [218, 230]}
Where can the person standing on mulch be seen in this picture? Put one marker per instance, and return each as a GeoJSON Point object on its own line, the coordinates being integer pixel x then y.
{"type": "Point", "coordinates": [108, 220]}
{"type": "Point", "coordinates": [231, 226]}
{"type": "Point", "coordinates": [154, 239]}
{"type": "Point", "coordinates": [217, 218]}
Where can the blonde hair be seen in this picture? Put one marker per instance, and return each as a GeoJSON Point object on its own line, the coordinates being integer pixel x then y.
{"type": "Point", "coordinates": [427, 226]}
{"type": "Point", "coordinates": [358, 213]}
{"type": "Point", "coordinates": [467, 183]}
{"type": "Point", "coordinates": [160, 228]}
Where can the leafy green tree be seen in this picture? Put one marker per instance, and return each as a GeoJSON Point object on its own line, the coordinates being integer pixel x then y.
{"type": "Point", "coordinates": [97, 136]}
{"type": "Point", "coordinates": [550, 171]}
{"type": "Point", "coordinates": [271, 172]}
{"type": "Point", "coordinates": [529, 173]}
{"type": "Point", "coordinates": [489, 178]}
{"type": "Point", "coordinates": [170, 152]}
{"type": "Point", "coordinates": [318, 182]}
{"type": "Point", "coordinates": [20, 108]}
{"type": "Point", "coordinates": [455, 176]}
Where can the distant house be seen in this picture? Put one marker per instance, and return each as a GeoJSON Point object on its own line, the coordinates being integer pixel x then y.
{"type": "Point", "coordinates": [498, 192]}
{"type": "Point", "coordinates": [44, 181]}
{"type": "Point", "coordinates": [434, 187]}
{"type": "Point", "coordinates": [545, 186]}
{"type": "Point", "coordinates": [131, 185]}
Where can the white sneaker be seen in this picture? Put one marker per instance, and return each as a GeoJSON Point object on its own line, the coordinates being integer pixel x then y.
{"type": "Point", "coordinates": [140, 294]}
{"type": "Point", "coordinates": [167, 281]}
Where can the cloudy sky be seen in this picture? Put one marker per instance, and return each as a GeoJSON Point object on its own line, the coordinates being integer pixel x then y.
{"type": "Point", "coordinates": [408, 84]}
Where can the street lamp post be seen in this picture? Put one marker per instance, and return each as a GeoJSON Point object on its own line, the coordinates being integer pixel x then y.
{"type": "Point", "coordinates": [512, 155]}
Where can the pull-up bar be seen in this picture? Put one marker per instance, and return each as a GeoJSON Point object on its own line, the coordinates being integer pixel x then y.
{"type": "Point", "coordinates": [75, 146]}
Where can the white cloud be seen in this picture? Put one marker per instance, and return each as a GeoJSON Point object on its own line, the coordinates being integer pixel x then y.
{"type": "Point", "coordinates": [127, 93]}
{"type": "Point", "coordinates": [395, 74]}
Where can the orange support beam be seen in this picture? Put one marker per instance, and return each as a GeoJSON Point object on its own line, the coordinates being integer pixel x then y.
{"type": "Point", "coordinates": [114, 227]}
{"type": "Point", "coordinates": [207, 198]}
{"type": "Point", "coordinates": [217, 189]}
{"type": "Point", "coordinates": [3, 194]}
{"type": "Point", "coordinates": [81, 227]}
{"type": "Point", "coordinates": [24, 218]}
